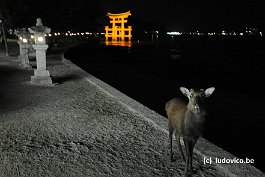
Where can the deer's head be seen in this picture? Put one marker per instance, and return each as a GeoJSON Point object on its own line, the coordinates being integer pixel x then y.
{"type": "Point", "coordinates": [196, 97]}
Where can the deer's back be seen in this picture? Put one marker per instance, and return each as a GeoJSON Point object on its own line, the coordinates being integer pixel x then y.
{"type": "Point", "coordinates": [176, 110]}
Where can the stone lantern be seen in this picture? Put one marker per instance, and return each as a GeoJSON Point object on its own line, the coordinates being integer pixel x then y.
{"type": "Point", "coordinates": [23, 41]}
{"type": "Point", "coordinates": [41, 74]}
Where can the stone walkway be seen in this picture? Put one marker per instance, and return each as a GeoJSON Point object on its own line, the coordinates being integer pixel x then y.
{"type": "Point", "coordinates": [76, 129]}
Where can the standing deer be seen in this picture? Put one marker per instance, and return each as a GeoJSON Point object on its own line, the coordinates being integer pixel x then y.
{"type": "Point", "coordinates": [187, 120]}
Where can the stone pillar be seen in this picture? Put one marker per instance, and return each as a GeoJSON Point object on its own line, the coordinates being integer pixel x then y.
{"type": "Point", "coordinates": [19, 57]}
{"type": "Point", "coordinates": [24, 56]}
{"type": "Point", "coordinates": [41, 74]}
{"type": "Point", "coordinates": [23, 42]}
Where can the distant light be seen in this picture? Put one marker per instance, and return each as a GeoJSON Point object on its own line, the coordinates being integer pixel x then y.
{"type": "Point", "coordinates": [32, 36]}
{"type": "Point", "coordinates": [20, 38]}
{"type": "Point", "coordinates": [82, 34]}
{"type": "Point", "coordinates": [59, 34]}
{"type": "Point", "coordinates": [77, 33]}
{"type": "Point", "coordinates": [260, 33]}
{"type": "Point", "coordinates": [66, 34]}
{"type": "Point", "coordinates": [50, 34]}
{"type": "Point", "coordinates": [55, 34]}
{"type": "Point", "coordinates": [24, 40]}
{"type": "Point", "coordinates": [173, 33]}
{"type": "Point", "coordinates": [40, 39]}
{"type": "Point", "coordinates": [241, 34]}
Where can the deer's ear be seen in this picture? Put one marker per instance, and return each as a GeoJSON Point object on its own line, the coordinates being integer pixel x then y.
{"type": "Point", "coordinates": [185, 91]}
{"type": "Point", "coordinates": [208, 92]}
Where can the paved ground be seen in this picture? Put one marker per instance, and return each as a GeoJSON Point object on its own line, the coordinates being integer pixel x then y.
{"type": "Point", "coordinates": [75, 129]}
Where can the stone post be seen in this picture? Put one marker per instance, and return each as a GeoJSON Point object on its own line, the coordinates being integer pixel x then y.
{"type": "Point", "coordinates": [23, 39]}
{"type": "Point", "coordinates": [25, 57]}
{"type": "Point", "coordinates": [41, 74]}
{"type": "Point", "coordinates": [19, 57]}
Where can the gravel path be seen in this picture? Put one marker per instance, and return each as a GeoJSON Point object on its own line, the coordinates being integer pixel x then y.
{"type": "Point", "coordinates": [75, 129]}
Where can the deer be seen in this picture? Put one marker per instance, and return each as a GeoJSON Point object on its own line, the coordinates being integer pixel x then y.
{"type": "Point", "coordinates": [187, 119]}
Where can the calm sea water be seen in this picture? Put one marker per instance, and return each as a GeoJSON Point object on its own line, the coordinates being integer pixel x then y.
{"type": "Point", "coordinates": [152, 73]}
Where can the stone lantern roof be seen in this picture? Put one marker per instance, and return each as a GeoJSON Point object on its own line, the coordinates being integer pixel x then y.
{"type": "Point", "coordinates": [39, 28]}
{"type": "Point", "coordinates": [22, 31]}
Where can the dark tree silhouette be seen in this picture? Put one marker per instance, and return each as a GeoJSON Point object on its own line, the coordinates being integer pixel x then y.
{"type": "Point", "coordinates": [60, 14]}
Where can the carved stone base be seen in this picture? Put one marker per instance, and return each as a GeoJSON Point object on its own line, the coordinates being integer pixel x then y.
{"type": "Point", "coordinates": [42, 78]}
{"type": "Point", "coordinates": [43, 72]}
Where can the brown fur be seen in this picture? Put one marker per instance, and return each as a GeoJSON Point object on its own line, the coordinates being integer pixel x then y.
{"type": "Point", "coordinates": [187, 121]}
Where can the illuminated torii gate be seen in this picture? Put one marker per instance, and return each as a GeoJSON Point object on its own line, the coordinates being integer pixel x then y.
{"type": "Point", "coordinates": [118, 32]}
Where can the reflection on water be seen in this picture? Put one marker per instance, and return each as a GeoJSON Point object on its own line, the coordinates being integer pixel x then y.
{"type": "Point", "coordinates": [119, 43]}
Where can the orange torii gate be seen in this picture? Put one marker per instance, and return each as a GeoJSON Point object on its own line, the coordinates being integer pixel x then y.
{"type": "Point", "coordinates": [118, 32]}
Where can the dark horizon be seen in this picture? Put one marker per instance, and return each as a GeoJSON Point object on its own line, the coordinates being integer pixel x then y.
{"type": "Point", "coordinates": [193, 15]}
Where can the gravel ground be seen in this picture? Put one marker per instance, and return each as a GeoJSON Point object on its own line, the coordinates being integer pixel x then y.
{"type": "Point", "coordinates": [75, 129]}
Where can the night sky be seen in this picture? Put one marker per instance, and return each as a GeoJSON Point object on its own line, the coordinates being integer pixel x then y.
{"type": "Point", "coordinates": [186, 15]}
{"type": "Point", "coordinates": [173, 15]}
